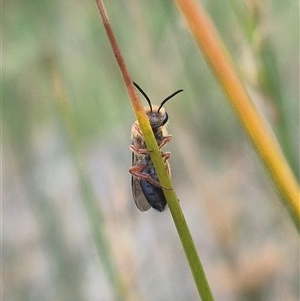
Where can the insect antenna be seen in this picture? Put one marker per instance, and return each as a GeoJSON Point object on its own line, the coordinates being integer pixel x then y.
{"type": "Point", "coordinates": [169, 97]}
{"type": "Point", "coordinates": [144, 94]}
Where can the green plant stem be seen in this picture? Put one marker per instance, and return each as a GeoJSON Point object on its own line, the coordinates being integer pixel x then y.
{"type": "Point", "coordinates": [173, 203]}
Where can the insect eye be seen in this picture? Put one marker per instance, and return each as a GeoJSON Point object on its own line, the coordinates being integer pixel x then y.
{"type": "Point", "coordinates": [166, 117]}
{"type": "Point", "coordinates": [165, 120]}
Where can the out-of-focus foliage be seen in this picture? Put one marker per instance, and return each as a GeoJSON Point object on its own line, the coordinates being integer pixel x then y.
{"type": "Point", "coordinates": [58, 154]}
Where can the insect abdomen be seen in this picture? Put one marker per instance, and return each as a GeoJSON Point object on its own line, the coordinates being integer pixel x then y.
{"type": "Point", "coordinates": [154, 195]}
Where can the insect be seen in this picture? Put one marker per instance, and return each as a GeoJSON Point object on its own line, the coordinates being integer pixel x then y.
{"type": "Point", "coordinates": [146, 189]}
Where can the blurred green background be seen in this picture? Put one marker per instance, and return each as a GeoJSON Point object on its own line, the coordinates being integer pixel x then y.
{"type": "Point", "coordinates": [70, 229]}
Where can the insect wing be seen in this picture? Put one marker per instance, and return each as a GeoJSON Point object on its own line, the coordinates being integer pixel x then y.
{"type": "Point", "coordinates": [138, 195]}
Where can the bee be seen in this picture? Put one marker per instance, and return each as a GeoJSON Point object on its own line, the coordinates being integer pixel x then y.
{"type": "Point", "coordinates": [146, 189]}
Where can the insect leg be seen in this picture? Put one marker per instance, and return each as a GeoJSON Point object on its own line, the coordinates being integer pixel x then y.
{"type": "Point", "coordinates": [166, 156]}
{"type": "Point", "coordinates": [142, 151]}
{"type": "Point", "coordinates": [166, 139]}
{"type": "Point", "coordinates": [138, 129]}
{"type": "Point", "coordinates": [137, 172]}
